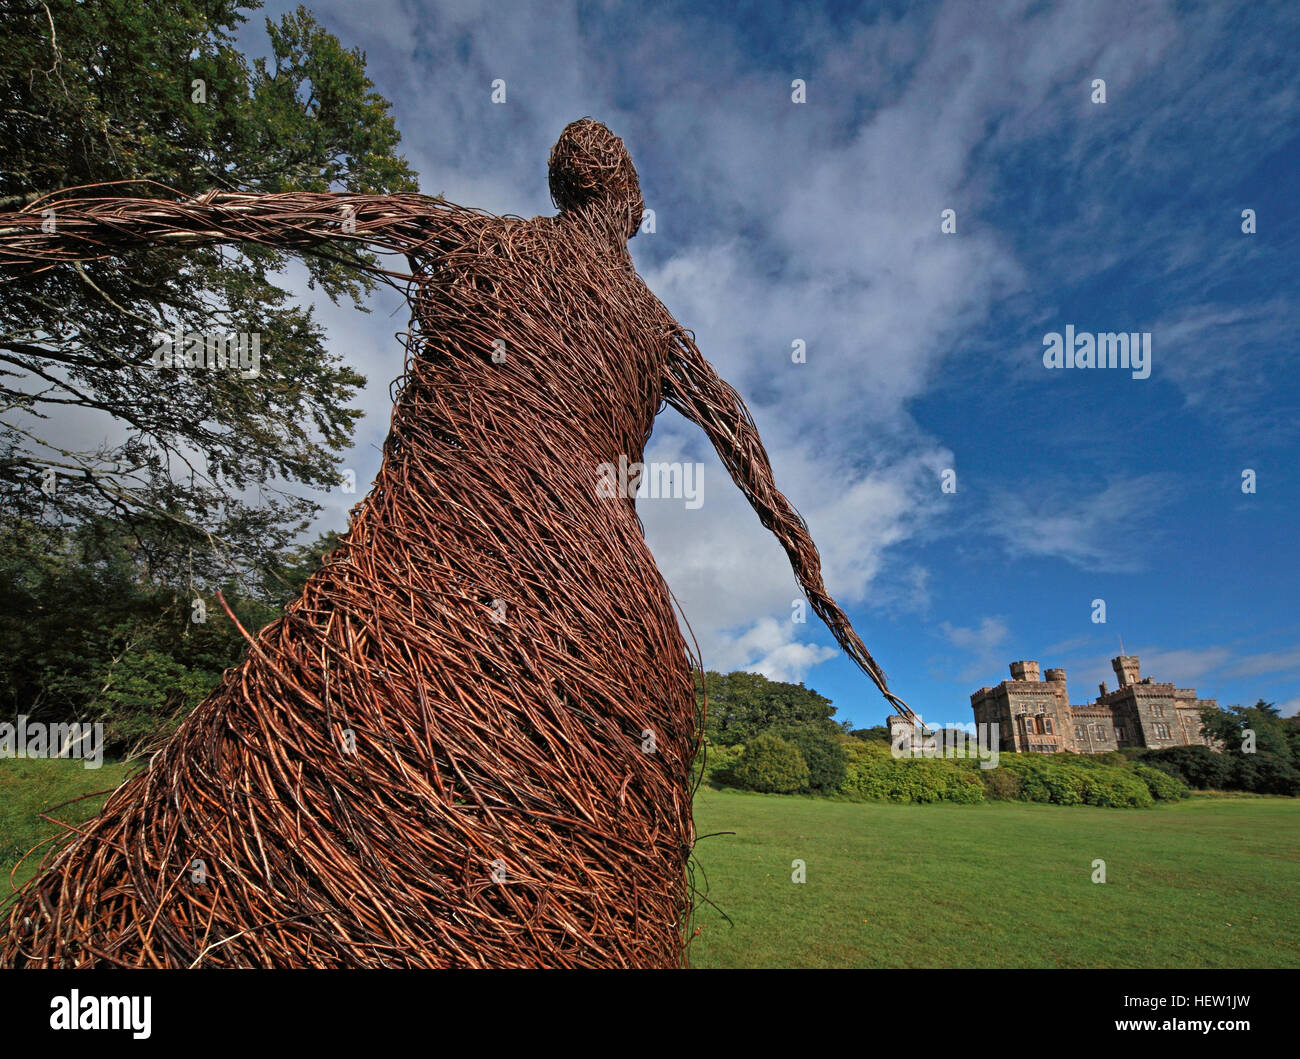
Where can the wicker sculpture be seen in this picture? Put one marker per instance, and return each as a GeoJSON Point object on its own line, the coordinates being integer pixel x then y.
{"type": "Point", "coordinates": [469, 742]}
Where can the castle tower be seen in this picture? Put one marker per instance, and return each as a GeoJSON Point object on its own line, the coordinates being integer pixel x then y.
{"type": "Point", "coordinates": [1025, 671]}
{"type": "Point", "coordinates": [1126, 669]}
{"type": "Point", "coordinates": [901, 732]}
{"type": "Point", "coordinates": [1035, 716]}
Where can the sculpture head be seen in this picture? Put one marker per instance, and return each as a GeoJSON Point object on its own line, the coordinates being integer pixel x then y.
{"type": "Point", "coordinates": [590, 170]}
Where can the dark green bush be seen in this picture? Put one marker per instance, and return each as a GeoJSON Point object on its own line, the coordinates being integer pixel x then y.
{"type": "Point", "coordinates": [821, 748]}
{"type": "Point", "coordinates": [878, 734]}
{"type": "Point", "coordinates": [1133, 779]}
{"type": "Point", "coordinates": [772, 765]}
{"type": "Point", "coordinates": [1163, 787]}
{"type": "Point", "coordinates": [1197, 766]}
{"type": "Point", "coordinates": [1071, 779]}
{"type": "Point", "coordinates": [1115, 788]}
{"type": "Point", "coordinates": [1000, 785]}
{"type": "Point", "coordinates": [1264, 773]}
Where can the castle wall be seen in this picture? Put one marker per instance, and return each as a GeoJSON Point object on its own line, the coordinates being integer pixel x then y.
{"type": "Point", "coordinates": [1031, 713]}
{"type": "Point", "coordinates": [1035, 715]}
{"type": "Point", "coordinates": [1092, 729]}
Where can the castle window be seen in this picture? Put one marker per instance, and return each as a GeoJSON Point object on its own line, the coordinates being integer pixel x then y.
{"type": "Point", "coordinates": [1119, 733]}
{"type": "Point", "coordinates": [1080, 733]}
{"type": "Point", "coordinates": [1101, 732]}
{"type": "Point", "coordinates": [1159, 710]}
{"type": "Point", "coordinates": [1047, 726]}
{"type": "Point", "coordinates": [1162, 731]}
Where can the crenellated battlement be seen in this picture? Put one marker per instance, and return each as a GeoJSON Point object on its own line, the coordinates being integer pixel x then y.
{"type": "Point", "coordinates": [1035, 715]}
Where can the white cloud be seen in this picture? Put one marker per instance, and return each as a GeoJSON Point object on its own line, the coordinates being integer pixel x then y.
{"type": "Point", "coordinates": [1109, 530]}
{"type": "Point", "coordinates": [771, 647]}
{"type": "Point", "coordinates": [1268, 663]}
{"type": "Point", "coordinates": [989, 634]}
{"type": "Point", "coordinates": [984, 641]}
{"type": "Point", "coordinates": [779, 222]}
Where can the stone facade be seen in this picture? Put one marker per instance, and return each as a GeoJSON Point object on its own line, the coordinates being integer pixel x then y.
{"type": "Point", "coordinates": [908, 738]}
{"type": "Point", "coordinates": [1034, 714]}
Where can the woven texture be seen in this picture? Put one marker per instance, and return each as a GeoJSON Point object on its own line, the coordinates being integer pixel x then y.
{"type": "Point", "coordinates": [470, 742]}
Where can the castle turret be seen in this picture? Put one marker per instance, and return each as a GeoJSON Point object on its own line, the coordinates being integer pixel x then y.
{"type": "Point", "coordinates": [1126, 669]}
{"type": "Point", "coordinates": [902, 732]}
{"type": "Point", "coordinates": [1035, 716]}
{"type": "Point", "coordinates": [1025, 670]}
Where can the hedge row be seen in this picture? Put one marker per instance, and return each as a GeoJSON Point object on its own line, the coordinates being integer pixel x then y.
{"type": "Point", "coordinates": [873, 773]}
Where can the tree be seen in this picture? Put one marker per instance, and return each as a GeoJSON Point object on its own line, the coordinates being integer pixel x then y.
{"type": "Point", "coordinates": [1261, 752]}
{"type": "Point", "coordinates": [86, 634]}
{"type": "Point", "coordinates": [145, 91]}
{"type": "Point", "coordinates": [284, 580]}
{"type": "Point", "coordinates": [1229, 726]}
{"type": "Point", "coordinates": [741, 705]}
{"type": "Point", "coordinates": [819, 743]}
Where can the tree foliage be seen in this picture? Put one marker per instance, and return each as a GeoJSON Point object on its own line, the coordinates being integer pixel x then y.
{"type": "Point", "coordinates": [87, 635]}
{"type": "Point", "coordinates": [819, 743]}
{"type": "Point", "coordinates": [98, 92]}
{"type": "Point", "coordinates": [1261, 752]}
{"type": "Point", "coordinates": [741, 705]}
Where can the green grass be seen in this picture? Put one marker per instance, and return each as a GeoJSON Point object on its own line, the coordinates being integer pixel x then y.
{"type": "Point", "coordinates": [29, 787]}
{"type": "Point", "coordinates": [1206, 882]}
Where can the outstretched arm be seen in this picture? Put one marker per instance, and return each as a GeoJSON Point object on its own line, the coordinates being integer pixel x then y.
{"type": "Point", "coordinates": [83, 224]}
{"type": "Point", "coordinates": [693, 388]}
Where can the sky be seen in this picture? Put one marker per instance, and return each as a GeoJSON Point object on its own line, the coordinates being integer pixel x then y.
{"type": "Point", "coordinates": [971, 503]}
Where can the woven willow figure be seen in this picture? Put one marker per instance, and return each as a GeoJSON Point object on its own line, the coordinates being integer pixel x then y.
{"type": "Point", "coordinates": [469, 742]}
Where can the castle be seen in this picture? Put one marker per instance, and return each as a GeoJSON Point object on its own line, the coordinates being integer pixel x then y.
{"type": "Point", "coordinates": [1034, 715]}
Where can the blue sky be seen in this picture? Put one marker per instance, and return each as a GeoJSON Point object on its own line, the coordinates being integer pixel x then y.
{"type": "Point", "coordinates": [820, 221]}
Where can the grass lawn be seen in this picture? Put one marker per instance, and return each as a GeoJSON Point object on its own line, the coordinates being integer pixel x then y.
{"type": "Point", "coordinates": [29, 787]}
{"type": "Point", "coordinates": [1207, 882]}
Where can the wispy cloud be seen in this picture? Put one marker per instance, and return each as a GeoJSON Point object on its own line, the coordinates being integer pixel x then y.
{"type": "Point", "coordinates": [1111, 529]}
{"type": "Point", "coordinates": [1269, 663]}
{"type": "Point", "coordinates": [820, 222]}
{"type": "Point", "coordinates": [985, 641]}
